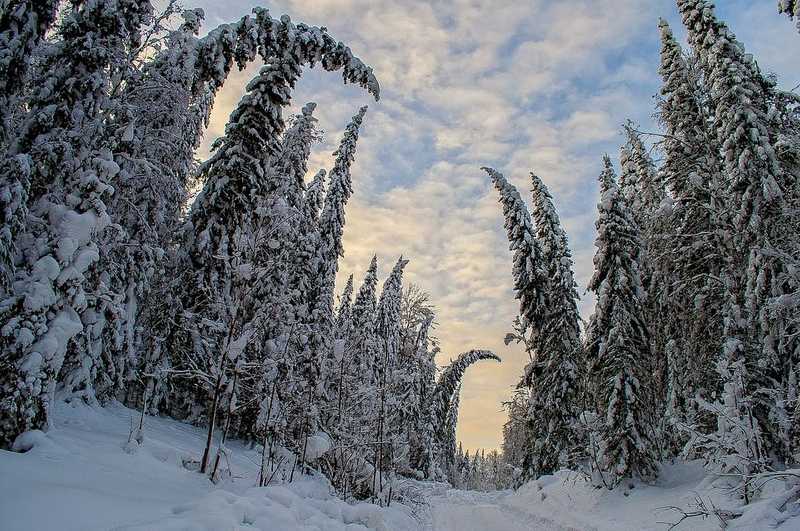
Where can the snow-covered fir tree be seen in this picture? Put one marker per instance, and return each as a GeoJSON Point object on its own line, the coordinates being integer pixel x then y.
{"type": "Point", "coordinates": [421, 367]}
{"type": "Point", "coordinates": [315, 195]}
{"type": "Point", "coordinates": [23, 25]}
{"type": "Point", "coordinates": [556, 380]}
{"type": "Point", "coordinates": [530, 277]}
{"type": "Point", "coordinates": [691, 258]}
{"type": "Point", "coordinates": [618, 343]}
{"type": "Point", "coordinates": [757, 351]}
{"type": "Point", "coordinates": [387, 335]}
{"type": "Point", "coordinates": [68, 177]}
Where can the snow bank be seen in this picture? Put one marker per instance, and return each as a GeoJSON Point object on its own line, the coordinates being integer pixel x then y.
{"type": "Point", "coordinates": [78, 477]}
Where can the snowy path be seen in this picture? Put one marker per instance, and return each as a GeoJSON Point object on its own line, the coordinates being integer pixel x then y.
{"type": "Point", "coordinates": [474, 511]}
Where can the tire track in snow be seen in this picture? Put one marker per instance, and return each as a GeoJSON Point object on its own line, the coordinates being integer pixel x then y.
{"type": "Point", "coordinates": [485, 512]}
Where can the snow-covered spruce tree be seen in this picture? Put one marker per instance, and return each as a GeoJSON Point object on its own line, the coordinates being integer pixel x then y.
{"type": "Point", "coordinates": [150, 191]}
{"type": "Point", "coordinates": [343, 329]}
{"type": "Point", "coordinates": [23, 24]}
{"type": "Point", "coordinates": [755, 340]}
{"type": "Point", "coordinates": [644, 192]}
{"type": "Point", "coordinates": [350, 468]}
{"type": "Point", "coordinates": [387, 320]}
{"type": "Point", "coordinates": [292, 162]}
{"type": "Point", "coordinates": [63, 136]}
{"type": "Point", "coordinates": [157, 137]}
{"type": "Point", "coordinates": [332, 217]}
{"type": "Point", "coordinates": [556, 391]}
{"type": "Point", "coordinates": [361, 343]}
{"type": "Point", "coordinates": [444, 392]}
{"type": "Point", "coordinates": [387, 335]}
{"type": "Point", "coordinates": [530, 277]}
{"type": "Point", "coordinates": [290, 167]}
{"type": "Point", "coordinates": [314, 354]}
{"type": "Point", "coordinates": [692, 255]}
{"type": "Point", "coordinates": [344, 313]}
{"type": "Point", "coordinates": [619, 343]}
{"type": "Point", "coordinates": [421, 434]}
{"type": "Point", "coordinates": [315, 196]}
{"type": "Point", "coordinates": [790, 8]}
{"type": "Point", "coordinates": [639, 180]}
{"type": "Point", "coordinates": [411, 385]}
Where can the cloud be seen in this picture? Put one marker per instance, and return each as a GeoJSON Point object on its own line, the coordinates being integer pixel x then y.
{"type": "Point", "coordinates": [540, 86]}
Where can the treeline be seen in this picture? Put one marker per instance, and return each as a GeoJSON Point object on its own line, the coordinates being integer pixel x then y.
{"type": "Point", "coordinates": [482, 471]}
{"type": "Point", "coordinates": [694, 343]}
{"type": "Point", "coordinates": [218, 309]}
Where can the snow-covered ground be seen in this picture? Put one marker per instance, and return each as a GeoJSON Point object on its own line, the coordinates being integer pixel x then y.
{"type": "Point", "coordinates": [79, 477]}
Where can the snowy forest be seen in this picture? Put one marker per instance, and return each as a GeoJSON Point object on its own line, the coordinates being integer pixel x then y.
{"type": "Point", "coordinates": [172, 293]}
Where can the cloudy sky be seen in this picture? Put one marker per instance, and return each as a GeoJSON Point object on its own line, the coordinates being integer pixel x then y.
{"type": "Point", "coordinates": [539, 85]}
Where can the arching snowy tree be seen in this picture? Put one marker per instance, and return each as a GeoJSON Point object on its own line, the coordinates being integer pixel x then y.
{"type": "Point", "coordinates": [619, 342]}
{"type": "Point", "coordinates": [449, 380]}
{"type": "Point", "coordinates": [444, 405]}
{"type": "Point", "coordinates": [530, 277]}
{"type": "Point", "coordinates": [449, 461]}
{"type": "Point", "coordinates": [236, 242]}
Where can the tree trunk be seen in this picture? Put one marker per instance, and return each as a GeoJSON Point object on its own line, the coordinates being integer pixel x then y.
{"type": "Point", "coordinates": [211, 425]}
{"type": "Point", "coordinates": [264, 452]}
{"type": "Point", "coordinates": [227, 426]}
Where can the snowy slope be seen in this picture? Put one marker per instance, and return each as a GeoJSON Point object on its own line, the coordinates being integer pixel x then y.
{"type": "Point", "coordinates": [78, 477]}
{"type": "Point", "coordinates": [566, 502]}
